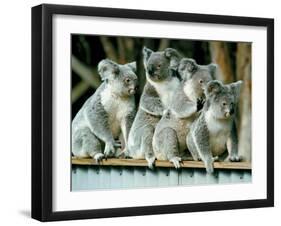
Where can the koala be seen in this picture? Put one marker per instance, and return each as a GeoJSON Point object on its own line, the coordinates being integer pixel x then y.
{"type": "Point", "coordinates": [214, 131]}
{"type": "Point", "coordinates": [107, 114]}
{"type": "Point", "coordinates": [169, 140]}
{"type": "Point", "coordinates": [161, 82]}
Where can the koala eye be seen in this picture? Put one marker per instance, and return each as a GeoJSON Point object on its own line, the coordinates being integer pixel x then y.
{"type": "Point", "coordinates": [200, 81]}
{"type": "Point", "coordinates": [127, 80]}
{"type": "Point", "coordinates": [223, 103]}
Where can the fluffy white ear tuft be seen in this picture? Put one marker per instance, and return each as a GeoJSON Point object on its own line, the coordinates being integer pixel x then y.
{"type": "Point", "coordinates": [174, 57]}
{"type": "Point", "coordinates": [146, 53]}
{"type": "Point", "coordinates": [108, 69]}
{"type": "Point", "coordinates": [213, 69]}
{"type": "Point", "coordinates": [170, 52]}
{"type": "Point", "coordinates": [235, 88]}
{"type": "Point", "coordinates": [186, 67]}
{"type": "Point", "coordinates": [133, 66]}
{"type": "Point", "coordinates": [213, 87]}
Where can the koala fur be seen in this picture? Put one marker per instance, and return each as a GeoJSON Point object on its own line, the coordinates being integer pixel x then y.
{"type": "Point", "coordinates": [169, 137]}
{"type": "Point", "coordinates": [107, 113]}
{"type": "Point", "coordinates": [157, 96]}
{"type": "Point", "coordinates": [169, 140]}
{"type": "Point", "coordinates": [214, 130]}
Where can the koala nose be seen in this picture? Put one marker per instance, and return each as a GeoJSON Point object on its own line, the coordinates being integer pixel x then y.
{"type": "Point", "coordinates": [229, 112]}
{"type": "Point", "coordinates": [132, 90]}
{"type": "Point", "coordinates": [136, 87]}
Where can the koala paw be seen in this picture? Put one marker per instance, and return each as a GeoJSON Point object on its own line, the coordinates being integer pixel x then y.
{"type": "Point", "coordinates": [176, 161]}
{"type": "Point", "coordinates": [200, 103]}
{"type": "Point", "coordinates": [109, 150]}
{"type": "Point", "coordinates": [150, 162]}
{"type": "Point", "coordinates": [117, 144]}
{"type": "Point", "coordinates": [98, 157]}
{"type": "Point", "coordinates": [216, 158]}
{"type": "Point", "coordinates": [235, 158]}
{"type": "Point", "coordinates": [123, 154]}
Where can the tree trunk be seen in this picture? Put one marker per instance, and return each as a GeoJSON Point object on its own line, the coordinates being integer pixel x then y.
{"type": "Point", "coordinates": [243, 59]}
{"type": "Point", "coordinates": [220, 55]}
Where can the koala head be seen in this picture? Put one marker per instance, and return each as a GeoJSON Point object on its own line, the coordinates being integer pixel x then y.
{"type": "Point", "coordinates": [159, 65]}
{"type": "Point", "coordinates": [121, 78]}
{"type": "Point", "coordinates": [222, 99]}
{"type": "Point", "coordinates": [195, 77]}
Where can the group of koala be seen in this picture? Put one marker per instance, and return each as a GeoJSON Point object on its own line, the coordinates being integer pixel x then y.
{"type": "Point", "coordinates": [182, 108]}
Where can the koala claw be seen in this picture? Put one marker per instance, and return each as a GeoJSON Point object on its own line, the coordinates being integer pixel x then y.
{"type": "Point", "coordinates": [176, 161]}
{"type": "Point", "coordinates": [150, 162]}
{"type": "Point", "coordinates": [235, 158]}
{"type": "Point", "coordinates": [98, 157]}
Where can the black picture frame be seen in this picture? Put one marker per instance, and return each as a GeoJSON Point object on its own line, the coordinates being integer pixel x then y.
{"type": "Point", "coordinates": [42, 111]}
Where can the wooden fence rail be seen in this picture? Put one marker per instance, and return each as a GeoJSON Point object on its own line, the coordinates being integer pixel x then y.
{"type": "Point", "coordinates": [158, 163]}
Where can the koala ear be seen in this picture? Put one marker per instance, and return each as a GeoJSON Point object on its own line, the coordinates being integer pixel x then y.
{"type": "Point", "coordinates": [108, 69]}
{"type": "Point", "coordinates": [213, 87]}
{"type": "Point", "coordinates": [133, 66]}
{"type": "Point", "coordinates": [235, 87]}
{"type": "Point", "coordinates": [188, 64]}
{"type": "Point", "coordinates": [186, 67]}
{"type": "Point", "coordinates": [213, 69]}
{"type": "Point", "coordinates": [174, 57]}
{"type": "Point", "coordinates": [170, 52]}
{"type": "Point", "coordinates": [146, 53]}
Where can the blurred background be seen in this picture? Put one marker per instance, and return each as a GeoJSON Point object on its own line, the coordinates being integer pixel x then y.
{"type": "Point", "coordinates": [233, 58]}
